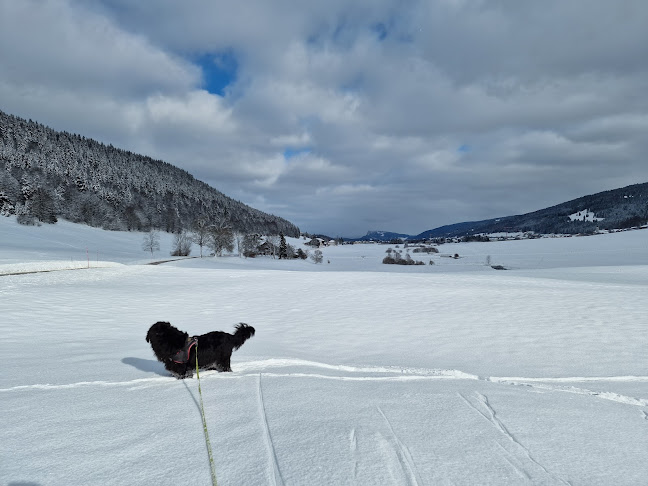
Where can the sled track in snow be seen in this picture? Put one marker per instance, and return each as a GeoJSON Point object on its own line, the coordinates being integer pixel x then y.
{"type": "Point", "coordinates": [404, 457]}
{"type": "Point", "coordinates": [274, 472]}
{"type": "Point", "coordinates": [513, 451]}
{"type": "Point", "coordinates": [297, 368]}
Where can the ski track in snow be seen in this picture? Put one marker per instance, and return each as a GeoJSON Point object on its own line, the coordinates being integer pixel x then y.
{"type": "Point", "coordinates": [540, 384]}
{"type": "Point", "coordinates": [274, 473]}
{"type": "Point", "coordinates": [403, 454]}
{"type": "Point", "coordinates": [353, 445]}
{"type": "Point", "coordinates": [304, 369]}
{"type": "Point", "coordinates": [513, 451]}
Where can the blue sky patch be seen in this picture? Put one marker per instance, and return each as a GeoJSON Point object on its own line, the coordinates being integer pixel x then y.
{"type": "Point", "coordinates": [219, 71]}
{"type": "Point", "coordinates": [291, 152]}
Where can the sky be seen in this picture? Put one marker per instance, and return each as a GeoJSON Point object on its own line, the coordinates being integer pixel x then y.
{"type": "Point", "coordinates": [345, 117]}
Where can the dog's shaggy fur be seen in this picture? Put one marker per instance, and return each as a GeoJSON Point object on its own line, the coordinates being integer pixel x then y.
{"type": "Point", "coordinates": [215, 348]}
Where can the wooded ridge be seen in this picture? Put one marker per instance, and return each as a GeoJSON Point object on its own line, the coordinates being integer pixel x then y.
{"type": "Point", "coordinates": [46, 174]}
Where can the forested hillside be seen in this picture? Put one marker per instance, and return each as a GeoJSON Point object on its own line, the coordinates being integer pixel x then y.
{"type": "Point", "coordinates": [615, 209]}
{"type": "Point", "coordinates": [46, 175]}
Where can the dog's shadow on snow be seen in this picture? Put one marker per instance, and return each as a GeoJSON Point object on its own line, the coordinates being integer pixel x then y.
{"type": "Point", "coordinates": [153, 366]}
{"type": "Point", "coordinates": [148, 365]}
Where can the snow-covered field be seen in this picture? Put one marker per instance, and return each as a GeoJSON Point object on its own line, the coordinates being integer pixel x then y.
{"type": "Point", "coordinates": [359, 374]}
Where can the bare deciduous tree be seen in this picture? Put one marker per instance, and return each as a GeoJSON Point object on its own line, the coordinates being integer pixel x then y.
{"type": "Point", "coordinates": [151, 242]}
{"type": "Point", "coordinates": [273, 240]}
{"type": "Point", "coordinates": [221, 237]}
{"type": "Point", "coordinates": [238, 239]}
{"type": "Point", "coordinates": [200, 234]}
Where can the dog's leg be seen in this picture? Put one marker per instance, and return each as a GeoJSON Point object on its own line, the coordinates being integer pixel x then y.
{"type": "Point", "coordinates": [188, 371]}
{"type": "Point", "coordinates": [226, 364]}
{"type": "Point", "coordinates": [180, 372]}
{"type": "Point", "coordinates": [220, 367]}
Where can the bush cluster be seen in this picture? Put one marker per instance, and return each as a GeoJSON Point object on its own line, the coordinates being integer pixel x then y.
{"type": "Point", "coordinates": [398, 260]}
{"type": "Point", "coordinates": [426, 249]}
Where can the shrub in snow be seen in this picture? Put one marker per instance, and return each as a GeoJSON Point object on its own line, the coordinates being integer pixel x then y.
{"type": "Point", "coordinates": [426, 249]}
{"type": "Point", "coordinates": [181, 244]}
{"type": "Point", "coordinates": [397, 259]}
{"type": "Point", "coordinates": [317, 256]}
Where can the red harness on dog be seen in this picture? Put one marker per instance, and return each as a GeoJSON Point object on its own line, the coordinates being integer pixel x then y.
{"type": "Point", "coordinates": [182, 356]}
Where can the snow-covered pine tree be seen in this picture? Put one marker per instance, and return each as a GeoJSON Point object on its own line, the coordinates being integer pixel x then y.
{"type": "Point", "coordinates": [283, 247]}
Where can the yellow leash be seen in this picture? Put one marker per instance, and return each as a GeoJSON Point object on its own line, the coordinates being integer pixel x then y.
{"type": "Point", "coordinates": [204, 421]}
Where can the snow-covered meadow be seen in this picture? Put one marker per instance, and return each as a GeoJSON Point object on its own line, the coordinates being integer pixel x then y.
{"type": "Point", "coordinates": [359, 373]}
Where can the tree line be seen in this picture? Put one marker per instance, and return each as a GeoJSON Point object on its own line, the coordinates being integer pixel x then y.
{"type": "Point", "coordinates": [46, 175]}
{"type": "Point", "coordinates": [217, 239]}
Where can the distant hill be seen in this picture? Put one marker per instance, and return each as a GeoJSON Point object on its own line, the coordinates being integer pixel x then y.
{"type": "Point", "coordinates": [47, 174]}
{"type": "Point", "coordinates": [380, 236]}
{"type": "Point", "coordinates": [616, 209]}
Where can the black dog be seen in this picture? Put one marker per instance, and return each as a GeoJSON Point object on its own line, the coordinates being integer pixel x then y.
{"type": "Point", "coordinates": [177, 350]}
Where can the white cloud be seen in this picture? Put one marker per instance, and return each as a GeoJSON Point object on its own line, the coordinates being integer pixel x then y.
{"type": "Point", "coordinates": [196, 111]}
{"type": "Point", "coordinates": [59, 44]}
{"type": "Point", "coordinates": [293, 140]}
{"type": "Point", "coordinates": [346, 190]}
{"type": "Point", "coordinates": [380, 94]}
{"type": "Point", "coordinates": [438, 161]}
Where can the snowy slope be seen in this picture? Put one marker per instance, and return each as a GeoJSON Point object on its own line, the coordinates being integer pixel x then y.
{"type": "Point", "coordinates": [447, 374]}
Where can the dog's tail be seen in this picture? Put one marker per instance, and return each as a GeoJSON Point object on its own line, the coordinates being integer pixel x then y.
{"type": "Point", "coordinates": [242, 334]}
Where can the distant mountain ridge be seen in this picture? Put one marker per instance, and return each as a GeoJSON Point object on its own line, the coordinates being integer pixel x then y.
{"type": "Point", "coordinates": [46, 174]}
{"type": "Point", "coordinates": [380, 236]}
{"type": "Point", "coordinates": [621, 208]}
